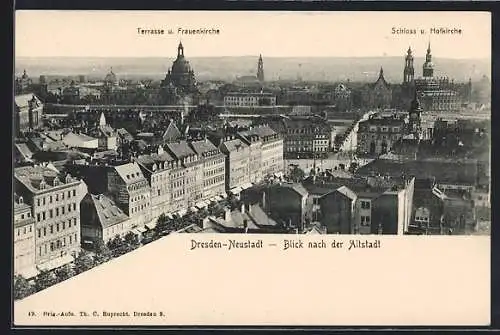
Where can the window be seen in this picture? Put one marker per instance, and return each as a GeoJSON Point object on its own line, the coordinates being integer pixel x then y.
{"type": "Point", "coordinates": [39, 232]}
{"type": "Point", "coordinates": [50, 200]}
{"type": "Point", "coordinates": [57, 211]}
{"type": "Point", "coordinates": [74, 206]}
{"type": "Point", "coordinates": [44, 231]}
{"type": "Point", "coordinates": [57, 227]}
{"type": "Point", "coordinates": [365, 220]}
{"type": "Point", "coordinates": [38, 217]}
{"type": "Point", "coordinates": [52, 229]}
{"type": "Point", "coordinates": [74, 193]}
{"type": "Point", "coordinates": [365, 204]}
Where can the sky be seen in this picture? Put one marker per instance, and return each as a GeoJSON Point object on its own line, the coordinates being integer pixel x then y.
{"type": "Point", "coordinates": [273, 34]}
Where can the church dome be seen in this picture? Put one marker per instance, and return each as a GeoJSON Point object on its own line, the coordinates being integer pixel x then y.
{"type": "Point", "coordinates": [111, 77]}
{"type": "Point", "coordinates": [181, 65]}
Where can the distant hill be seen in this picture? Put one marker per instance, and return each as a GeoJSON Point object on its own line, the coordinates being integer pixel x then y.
{"type": "Point", "coordinates": [227, 68]}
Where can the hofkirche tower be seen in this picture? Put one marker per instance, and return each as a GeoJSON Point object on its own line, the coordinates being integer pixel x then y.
{"type": "Point", "coordinates": [409, 71]}
{"type": "Point", "coordinates": [181, 75]}
{"type": "Point", "coordinates": [428, 67]}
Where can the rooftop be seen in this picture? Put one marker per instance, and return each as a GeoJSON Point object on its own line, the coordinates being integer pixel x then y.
{"type": "Point", "coordinates": [180, 149]}
{"type": "Point", "coordinates": [40, 178]}
{"type": "Point", "coordinates": [130, 172]}
{"type": "Point", "coordinates": [107, 211]}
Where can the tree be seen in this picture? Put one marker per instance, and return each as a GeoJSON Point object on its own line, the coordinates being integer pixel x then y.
{"type": "Point", "coordinates": [83, 262]}
{"type": "Point", "coordinates": [132, 240]}
{"type": "Point", "coordinates": [297, 174]}
{"type": "Point", "coordinates": [161, 224]}
{"type": "Point", "coordinates": [102, 252]}
{"type": "Point", "coordinates": [22, 287]}
{"type": "Point", "coordinates": [118, 246]}
{"type": "Point", "coordinates": [64, 272]}
{"type": "Point", "coordinates": [45, 279]}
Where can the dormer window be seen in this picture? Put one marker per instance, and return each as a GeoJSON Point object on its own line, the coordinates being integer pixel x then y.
{"type": "Point", "coordinates": [21, 200]}
{"type": "Point", "coordinates": [55, 182]}
{"type": "Point", "coordinates": [43, 185]}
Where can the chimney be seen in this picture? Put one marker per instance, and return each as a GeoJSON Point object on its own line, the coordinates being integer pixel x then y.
{"type": "Point", "coordinates": [242, 209]}
{"type": "Point", "coordinates": [263, 204]}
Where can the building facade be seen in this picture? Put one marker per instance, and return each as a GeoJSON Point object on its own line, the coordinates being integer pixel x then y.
{"type": "Point", "coordinates": [130, 190]}
{"type": "Point", "coordinates": [214, 168]}
{"type": "Point", "coordinates": [378, 134]}
{"type": "Point", "coordinates": [306, 137]}
{"type": "Point", "coordinates": [237, 163]}
{"type": "Point", "coordinates": [55, 202]}
{"type": "Point", "coordinates": [24, 240]}
{"type": "Point", "coordinates": [28, 112]}
{"type": "Point", "coordinates": [240, 99]}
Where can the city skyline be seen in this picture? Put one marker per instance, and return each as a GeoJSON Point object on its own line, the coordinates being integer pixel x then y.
{"type": "Point", "coordinates": [332, 34]}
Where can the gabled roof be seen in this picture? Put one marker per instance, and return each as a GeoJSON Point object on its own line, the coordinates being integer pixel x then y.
{"type": "Point", "coordinates": [122, 132]}
{"type": "Point", "coordinates": [107, 211]}
{"type": "Point", "coordinates": [130, 172]}
{"type": "Point", "coordinates": [347, 192]}
{"type": "Point", "coordinates": [172, 133]}
{"type": "Point", "coordinates": [180, 149]}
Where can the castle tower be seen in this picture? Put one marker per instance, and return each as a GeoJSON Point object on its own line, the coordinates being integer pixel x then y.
{"type": "Point", "coordinates": [414, 114]}
{"type": "Point", "coordinates": [260, 69]}
{"type": "Point", "coordinates": [409, 72]}
{"type": "Point", "coordinates": [428, 68]}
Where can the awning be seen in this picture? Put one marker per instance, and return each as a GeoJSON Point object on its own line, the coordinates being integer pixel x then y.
{"type": "Point", "coordinates": [223, 195]}
{"type": "Point", "coordinates": [235, 190]}
{"type": "Point", "coordinates": [182, 212]}
{"type": "Point", "coordinates": [170, 216]}
{"type": "Point", "coordinates": [278, 174]}
{"type": "Point", "coordinates": [29, 272]}
{"type": "Point", "coordinates": [193, 209]}
{"type": "Point", "coordinates": [212, 199]}
{"type": "Point", "coordinates": [141, 229]}
{"type": "Point", "coordinates": [56, 263]}
{"type": "Point", "coordinates": [218, 198]}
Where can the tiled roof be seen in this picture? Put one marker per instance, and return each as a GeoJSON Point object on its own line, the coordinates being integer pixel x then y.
{"type": "Point", "coordinates": [233, 145]}
{"type": "Point", "coordinates": [172, 133]}
{"type": "Point", "coordinates": [204, 146]}
{"type": "Point", "coordinates": [347, 192]}
{"type": "Point", "coordinates": [260, 217]}
{"type": "Point", "coordinates": [107, 211]}
{"type": "Point", "coordinates": [129, 172]}
{"type": "Point", "coordinates": [301, 190]}
{"type": "Point", "coordinates": [180, 149]}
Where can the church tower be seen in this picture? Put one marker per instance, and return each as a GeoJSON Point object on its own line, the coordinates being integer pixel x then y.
{"type": "Point", "coordinates": [414, 114]}
{"type": "Point", "coordinates": [260, 69]}
{"type": "Point", "coordinates": [428, 68]}
{"type": "Point", "coordinates": [409, 72]}
{"type": "Point", "coordinates": [180, 50]}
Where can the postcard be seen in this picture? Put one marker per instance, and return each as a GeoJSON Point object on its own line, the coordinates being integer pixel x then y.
{"type": "Point", "coordinates": [250, 168]}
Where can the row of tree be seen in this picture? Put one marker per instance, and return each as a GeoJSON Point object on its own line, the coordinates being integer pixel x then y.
{"type": "Point", "coordinates": [85, 260]}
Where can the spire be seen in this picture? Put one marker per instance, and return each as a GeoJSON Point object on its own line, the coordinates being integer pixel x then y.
{"type": "Point", "coordinates": [180, 49]}
{"type": "Point", "coordinates": [429, 47]}
{"type": "Point", "coordinates": [409, 50]}
{"type": "Point", "coordinates": [381, 74]}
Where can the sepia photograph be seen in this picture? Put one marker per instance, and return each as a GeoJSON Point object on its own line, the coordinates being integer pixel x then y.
{"type": "Point", "coordinates": [167, 164]}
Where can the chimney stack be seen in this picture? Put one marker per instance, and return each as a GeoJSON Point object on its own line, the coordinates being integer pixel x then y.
{"type": "Point", "coordinates": [242, 208]}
